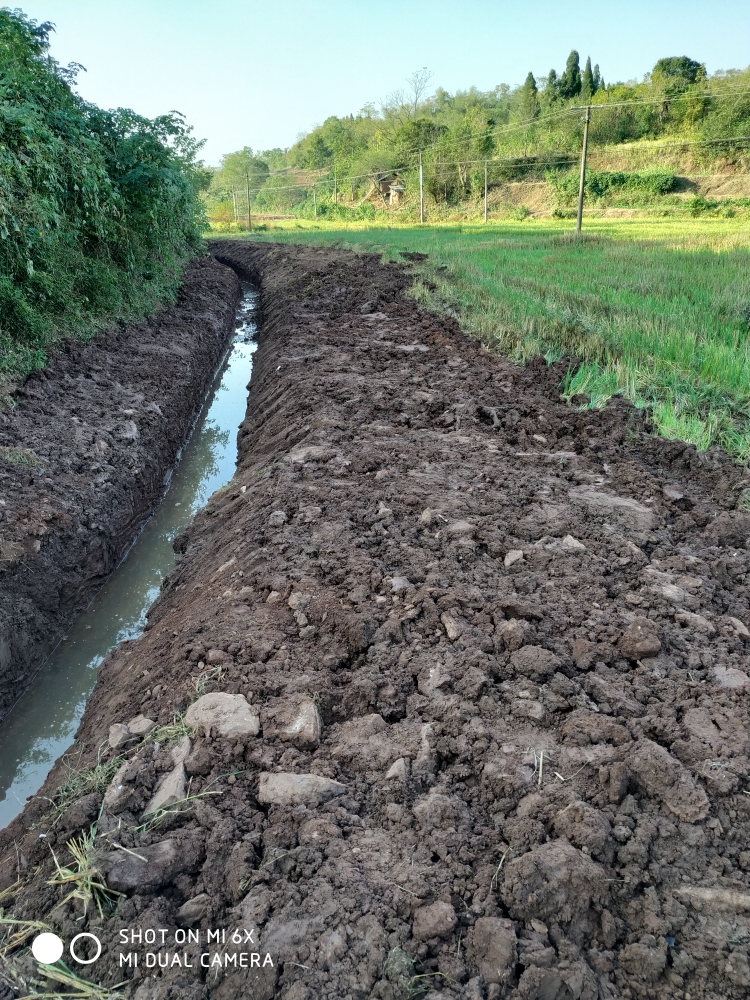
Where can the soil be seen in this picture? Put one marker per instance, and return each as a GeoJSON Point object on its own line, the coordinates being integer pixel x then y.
{"type": "Point", "coordinates": [466, 671]}
{"type": "Point", "coordinates": [83, 460]}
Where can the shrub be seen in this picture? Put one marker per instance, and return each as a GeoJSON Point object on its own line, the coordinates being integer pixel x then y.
{"type": "Point", "coordinates": [98, 209]}
{"type": "Point", "coordinates": [606, 183]}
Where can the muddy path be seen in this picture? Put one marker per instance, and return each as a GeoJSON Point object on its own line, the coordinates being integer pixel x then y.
{"type": "Point", "coordinates": [84, 456]}
{"type": "Point", "coordinates": [464, 675]}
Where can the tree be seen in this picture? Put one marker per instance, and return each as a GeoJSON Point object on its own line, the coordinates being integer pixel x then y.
{"type": "Point", "coordinates": [418, 83]}
{"type": "Point", "coordinates": [417, 134]}
{"type": "Point", "coordinates": [402, 105]}
{"type": "Point", "coordinates": [233, 169]}
{"type": "Point", "coordinates": [678, 72]}
{"type": "Point", "coordinates": [588, 86]}
{"type": "Point", "coordinates": [318, 154]}
{"type": "Point", "coordinates": [598, 82]}
{"type": "Point", "coordinates": [552, 89]}
{"type": "Point", "coordinates": [528, 104]}
{"type": "Point", "coordinates": [570, 81]}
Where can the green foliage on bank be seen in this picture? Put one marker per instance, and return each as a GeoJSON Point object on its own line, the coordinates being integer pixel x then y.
{"type": "Point", "coordinates": [98, 209]}
{"type": "Point", "coordinates": [639, 185]}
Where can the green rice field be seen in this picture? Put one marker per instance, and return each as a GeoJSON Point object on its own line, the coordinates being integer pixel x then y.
{"type": "Point", "coordinates": [657, 309]}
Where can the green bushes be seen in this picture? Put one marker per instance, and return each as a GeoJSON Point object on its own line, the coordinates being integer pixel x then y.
{"type": "Point", "coordinates": [98, 209]}
{"type": "Point", "coordinates": [603, 184]}
{"type": "Point", "coordinates": [331, 211]}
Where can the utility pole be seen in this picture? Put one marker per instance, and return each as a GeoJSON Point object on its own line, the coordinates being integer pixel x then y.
{"type": "Point", "coordinates": [249, 217]}
{"type": "Point", "coordinates": [485, 190]}
{"type": "Point", "coordinates": [421, 189]}
{"type": "Point", "coordinates": [315, 203]}
{"type": "Point", "coordinates": [587, 119]}
{"type": "Point", "coordinates": [582, 184]}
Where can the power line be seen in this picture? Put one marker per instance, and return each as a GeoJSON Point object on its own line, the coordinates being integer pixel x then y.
{"type": "Point", "coordinates": [517, 161]}
{"type": "Point", "coordinates": [563, 112]}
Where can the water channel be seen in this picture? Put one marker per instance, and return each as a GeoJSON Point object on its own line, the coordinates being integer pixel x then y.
{"type": "Point", "coordinates": [43, 721]}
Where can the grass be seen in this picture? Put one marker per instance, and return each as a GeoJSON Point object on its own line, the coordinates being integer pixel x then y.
{"type": "Point", "coordinates": [657, 309]}
{"type": "Point", "coordinates": [20, 456]}
{"type": "Point", "coordinates": [81, 781]}
{"type": "Point", "coordinates": [23, 978]}
{"type": "Point", "coordinates": [83, 875]}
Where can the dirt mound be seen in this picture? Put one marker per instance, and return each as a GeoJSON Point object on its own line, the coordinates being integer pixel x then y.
{"type": "Point", "coordinates": [83, 460]}
{"type": "Point", "coordinates": [482, 727]}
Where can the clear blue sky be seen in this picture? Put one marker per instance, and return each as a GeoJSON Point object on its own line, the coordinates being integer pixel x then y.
{"type": "Point", "coordinates": [258, 72]}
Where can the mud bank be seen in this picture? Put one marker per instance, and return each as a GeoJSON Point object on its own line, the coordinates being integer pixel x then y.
{"type": "Point", "coordinates": [84, 456]}
{"type": "Point", "coordinates": [464, 681]}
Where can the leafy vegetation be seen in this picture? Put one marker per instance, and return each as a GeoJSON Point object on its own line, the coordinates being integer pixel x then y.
{"type": "Point", "coordinates": [98, 209]}
{"type": "Point", "coordinates": [534, 130]}
{"type": "Point", "coordinates": [658, 309]}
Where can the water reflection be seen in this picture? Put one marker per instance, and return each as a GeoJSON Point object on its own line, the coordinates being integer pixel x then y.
{"type": "Point", "coordinates": [43, 722]}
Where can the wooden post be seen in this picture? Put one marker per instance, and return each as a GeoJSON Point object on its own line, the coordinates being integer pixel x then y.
{"type": "Point", "coordinates": [583, 169]}
{"type": "Point", "coordinates": [421, 189]}
{"type": "Point", "coordinates": [249, 216]}
{"type": "Point", "coordinates": [234, 204]}
{"type": "Point", "coordinates": [335, 190]}
{"type": "Point", "coordinates": [315, 202]}
{"type": "Point", "coordinates": [485, 190]}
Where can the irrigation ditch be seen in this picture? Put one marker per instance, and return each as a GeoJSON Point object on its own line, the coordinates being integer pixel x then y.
{"type": "Point", "coordinates": [447, 693]}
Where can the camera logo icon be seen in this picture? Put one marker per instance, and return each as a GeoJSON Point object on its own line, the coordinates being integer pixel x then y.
{"type": "Point", "coordinates": [47, 948]}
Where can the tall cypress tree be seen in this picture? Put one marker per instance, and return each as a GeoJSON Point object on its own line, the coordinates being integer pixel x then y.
{"type": "Point", "coordinates": [588, 87]}
{"type": "Point", "coordinates": [529, 99]}
{"type": "Point", "coordinates": [570, 81]}
{"type": "Point", "coordinates": [598, 82]}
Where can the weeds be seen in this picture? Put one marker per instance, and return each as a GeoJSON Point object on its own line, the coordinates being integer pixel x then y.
{"type": "Point", "coordinates": [419, 986]}
{"type": "Point", "coordinates": [84, 875]}
{"type": "Point", "coordinates": [11, 940]}
{"type": "Point", "coordinates": [80, 781]}
{"type": "Point", "coordinates": [28, 985]}
{"type": "Point", "coordinates": [493, 883]}
{"type": "Point", "coordinates": [156, 818]}
{"type": "Point", "coordinates": [20, 456]}
{"type": "Point", "coordinates": [83, 989]}
{"type": "Point", "coordinates": [205, 678]}
{"type": "Point", "coordinates": [24, 976]}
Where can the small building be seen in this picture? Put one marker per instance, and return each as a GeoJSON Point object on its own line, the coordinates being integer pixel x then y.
{"type": "Point", "coordinates": [391, 186]}
{"type": "Point", "coordinates": [395, 191]}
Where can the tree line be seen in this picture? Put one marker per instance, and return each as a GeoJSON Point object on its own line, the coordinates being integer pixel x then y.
{"type": "Point", "coordinates": [531, 124]}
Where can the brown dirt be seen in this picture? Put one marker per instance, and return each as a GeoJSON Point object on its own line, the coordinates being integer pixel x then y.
{"type": "Point", "coordinates": [501, 645]}
{"type": "Point", "coordinates": [83, 458]}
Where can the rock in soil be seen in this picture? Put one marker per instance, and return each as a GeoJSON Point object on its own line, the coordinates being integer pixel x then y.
{"type": "Point", "coordinates": [477, 774]}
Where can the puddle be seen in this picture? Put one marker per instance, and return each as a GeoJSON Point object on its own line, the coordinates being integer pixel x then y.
{"type": "Point", "coordinates": [43, 721]}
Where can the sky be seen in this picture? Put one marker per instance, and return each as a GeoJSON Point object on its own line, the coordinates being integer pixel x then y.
{"type": "Point", "coordinates": [260, 72]}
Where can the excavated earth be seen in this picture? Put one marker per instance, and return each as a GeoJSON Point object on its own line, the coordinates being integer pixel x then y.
{"type": "Point", "coordinates": [464, 680]}
{"type": "Point", "coordinates": [83, 459]}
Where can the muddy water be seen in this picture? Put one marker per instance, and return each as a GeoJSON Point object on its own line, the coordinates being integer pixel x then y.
{"type": "Point", "coordinates": [43, 722]}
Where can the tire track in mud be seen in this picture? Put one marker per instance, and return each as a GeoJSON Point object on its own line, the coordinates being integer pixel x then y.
{"type": "Point", "coordinates": [466, 671]}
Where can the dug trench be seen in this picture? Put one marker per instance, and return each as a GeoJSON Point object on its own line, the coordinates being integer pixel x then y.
{"type": "Point", "coordinates": [84, 456]}
{"type": "Point", "coordinates": [447, 694]}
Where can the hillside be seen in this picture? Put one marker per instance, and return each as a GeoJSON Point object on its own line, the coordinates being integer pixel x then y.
{"type": "Point", "coordinates": [678, 119]}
